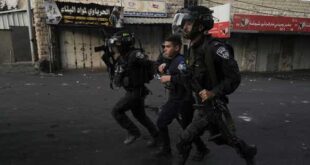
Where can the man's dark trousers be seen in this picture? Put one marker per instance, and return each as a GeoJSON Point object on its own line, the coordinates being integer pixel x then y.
{"type": "Point", "coordinates": [183, 112]}
{"type": "Point", "coordinates": [134, 101]}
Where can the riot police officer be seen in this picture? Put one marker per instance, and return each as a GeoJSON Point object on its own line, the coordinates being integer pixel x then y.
{"type": "Point", "coordinates": [213, 74]}
{"type": "Point", "coordinates": [130, 74]}
{"type": "Point", "coordinates": [180, 100]}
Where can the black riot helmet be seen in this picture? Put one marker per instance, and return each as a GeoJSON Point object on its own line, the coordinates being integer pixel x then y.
{"type": "Point", "coordinates": [122, 40]}
{"type": "Point", "coordinates": [198, 15]}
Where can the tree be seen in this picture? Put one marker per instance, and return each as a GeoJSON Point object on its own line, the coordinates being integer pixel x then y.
{"type": "Point", "coordinates": [3, 6]}
{"type": "Point", "coordinates": [0, 5]}
{"type": "Point", "coordinates": [12, 7]}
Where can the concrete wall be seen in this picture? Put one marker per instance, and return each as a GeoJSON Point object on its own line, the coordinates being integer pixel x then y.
{"type": "Point", "coordinates": [22, 4]}
{"type": "Point", "coordinates": [270, 52]}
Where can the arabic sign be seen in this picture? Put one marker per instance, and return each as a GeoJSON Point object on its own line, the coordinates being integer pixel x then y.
{"type": "Point", "coordinates": [270, 23]}
{"type": "Point", "coordinates": [88, 14]}
{"type": "Point", "coordinates": [52, 12]}
{"type": "Point", "coordinates": [145, 8]}
{"type": "Point", "coordinates": [100, 2]}
{"type": "Point", "coordinates": [221, 16]}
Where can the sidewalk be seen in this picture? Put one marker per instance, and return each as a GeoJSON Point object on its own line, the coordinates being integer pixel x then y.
{"type": "Point", "coordinates": [22, 67]}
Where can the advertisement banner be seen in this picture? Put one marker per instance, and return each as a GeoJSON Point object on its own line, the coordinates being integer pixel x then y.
{"type": "Point", "coordinates": [259, 23]}
{"type": "Point", "coordinates": [145, 8]}
{"type": "Point", "coordinates": [221, 16]}
{"type": "Point", "coordinates": [68, 13]}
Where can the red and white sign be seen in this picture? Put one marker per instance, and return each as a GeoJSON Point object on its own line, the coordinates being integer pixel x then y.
{"type": "Point", "coordinates": [260, 23]}
{"type": "Point", "coordinates": [221, 16]}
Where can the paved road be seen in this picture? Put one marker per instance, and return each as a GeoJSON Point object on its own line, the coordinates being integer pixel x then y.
{"type": "Point", "coordinates": [66, 120]}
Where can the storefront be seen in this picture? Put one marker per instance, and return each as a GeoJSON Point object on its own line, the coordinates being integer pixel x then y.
{"type": "Point", "coordinates": [271, 43]}
{"type": "Point", "coordinates": [74, 29]}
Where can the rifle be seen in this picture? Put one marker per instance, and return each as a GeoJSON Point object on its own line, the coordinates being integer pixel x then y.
{"type": "Point", "coordinates": [108, 59]}
{"type": "Point", "coordinates": [216, 115]}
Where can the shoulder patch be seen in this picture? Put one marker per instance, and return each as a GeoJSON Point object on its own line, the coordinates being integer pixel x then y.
{"type": "Point", "coordinates": [182, 67]}
{"type": "Point", "coordinates": [222, 52]}
{"type": "Point", "coordinates": [140, 55]}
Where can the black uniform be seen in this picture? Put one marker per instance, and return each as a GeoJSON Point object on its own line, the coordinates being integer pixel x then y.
{"type": "Point", "coordinates": [223, 80]}
{"type": "Point", "coordinates": [179, 104]}
{"type": "Point", "coordinates": [128, 74]}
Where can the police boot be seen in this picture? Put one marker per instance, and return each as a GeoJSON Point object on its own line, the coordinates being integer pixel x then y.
{"type": "Point", "coordinates": [154, 142]}
{"type": "Point", "coordinates": [249, 155]}
{"type": "Point", "coordinates": [180, 159]}
{"type": "Point", "coordinates": [163, 151]}
{"type": "Point", "coordinates": [201, 150]}
{"type": "Point", "coordinates": [200, 154]}
{"type": "Point", "coordinates": [184, 151]}
{"type": "Point", "coordinates": [131, 138]}
{"type": "Point", "coordinates": [246, 151]}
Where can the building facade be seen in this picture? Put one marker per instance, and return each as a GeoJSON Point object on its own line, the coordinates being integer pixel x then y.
{"type": "Point", "coordinates": [72, 47]}
{"type": "Point", "coordinates": [267, 45]}
{"type": "Point", "coordinates": [267, 50]}
{"type": "Point", "coordinates": [14, 34]}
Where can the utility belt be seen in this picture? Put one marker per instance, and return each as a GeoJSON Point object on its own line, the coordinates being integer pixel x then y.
{"type": "Point", "coordinates": [118, 80]}
{"type": "Point", "coordinates": [141, 91]}
{"type": "Point", "coordinates": [218, 114]}
{"type": "Point", "coordinates": [170, 86]}
{"type": "Point", "coordinates": [125, 81]}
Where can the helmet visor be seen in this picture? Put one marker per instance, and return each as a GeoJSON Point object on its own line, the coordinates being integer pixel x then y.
{"type": "Point", "coordinates": [114, 41]}
{"type": "Point", "coordinates": [180, 18]}
{"type": "Point", "coordinates": [178, 22]}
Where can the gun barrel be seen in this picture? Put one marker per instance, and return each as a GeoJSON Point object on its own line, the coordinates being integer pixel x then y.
{"type": "Point", "coordinates": [100, 48]}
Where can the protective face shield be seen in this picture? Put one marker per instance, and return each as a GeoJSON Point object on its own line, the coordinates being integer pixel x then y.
{"type": "Point", "coordinates": [121, 42]}
{"type": "Point", "coordinates": [200, 18]}
{"type": "Point", "coordinates": [113, 44]}
{"type": "Point", "coordinates": [179, 21]}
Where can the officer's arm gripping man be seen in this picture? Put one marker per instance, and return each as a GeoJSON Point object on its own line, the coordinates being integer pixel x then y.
{"type": "Point", "coordinates": [225, 62]}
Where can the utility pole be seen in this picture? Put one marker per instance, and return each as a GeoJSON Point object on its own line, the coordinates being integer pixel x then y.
{"type": "Point", "coordinates": [30, 30]}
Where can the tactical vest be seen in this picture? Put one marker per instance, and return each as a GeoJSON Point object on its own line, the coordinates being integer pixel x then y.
{"type": "Point", "coordinates": [201, 62]}
{"type": "Point", "coordinates": [129, 75]}
{"type": "Point", "coordinates": [120, 72]}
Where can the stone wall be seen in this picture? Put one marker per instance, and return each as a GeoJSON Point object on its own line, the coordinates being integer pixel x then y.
{"type": "Point", "coordinates": [41, 30]}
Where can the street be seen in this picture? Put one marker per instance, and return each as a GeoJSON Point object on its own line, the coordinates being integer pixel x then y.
{"type": "Point", "coordinates": [65, 119]}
